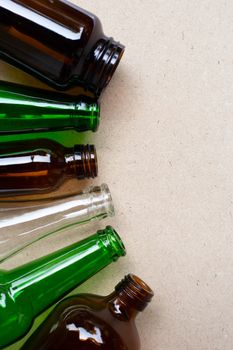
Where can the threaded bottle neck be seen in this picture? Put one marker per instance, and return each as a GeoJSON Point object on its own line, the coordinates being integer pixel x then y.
{"type": "Point", "coordinates": [101, 64]}
{"type": "Point", "coordinates": [133, 293]}
{"type": "Point", "coordinates": [83, 162]}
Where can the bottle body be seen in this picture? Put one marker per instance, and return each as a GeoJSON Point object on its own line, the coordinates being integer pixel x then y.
{"type": "Point", "coordinates": [40, 167]}
{"type": "Point", "coordinates": [24, 109]}
{"type": "Point", "coordinates": [24, 224]}
{"type": "Point", "coordinates": [84, 323]}
{"type": "Point", "coordinates": [89, 322]}
{"type": "Point", "coordinates": [66, 44]}
{"type": "Point", "coordinates": [29, 290]}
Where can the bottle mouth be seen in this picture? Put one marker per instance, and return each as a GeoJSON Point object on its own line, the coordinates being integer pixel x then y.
{"type": "Point", "coordinates": [135, 291]}
{"type": "Point", "coordinates": [101, 201]}
{"type": "Point", "coordinates": [86, 165]}
{"type": "Point", "coordinates": [95, 113]}
{"type": "Point", "coordinates": [112, 242]}
{"type": "Point", "coordinates": [102, 64]}
{"type": "Point", "coordinates": [87, 116]}
{"type": "Point", "coordinates": [109, 61]}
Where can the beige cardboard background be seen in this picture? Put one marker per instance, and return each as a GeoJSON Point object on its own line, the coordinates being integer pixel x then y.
{"type": "Point", "coordinates": [166, 150]}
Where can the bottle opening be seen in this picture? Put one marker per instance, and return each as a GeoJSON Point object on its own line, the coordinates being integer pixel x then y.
{"type": "Point", "coordinates": [95, 117]}
{"type": "Point", "coordinates": [101, 201]}
{"type": "Point", "coordinates": [113, 242]}
{"type": "Point", "coordinates": [86, 116]}
{"type": "Point", "coordinates": [102, 64]}
{"type": "Point", "coordinates": [111, 58]}
{"type": "Point", "coordinates": [107, 199]}
{"type": "Point", "coordinates": [132, 290]}
{"type": "Point", "coordinates": [86, 165]}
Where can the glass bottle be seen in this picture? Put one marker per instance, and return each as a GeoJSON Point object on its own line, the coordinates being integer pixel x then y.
{"type": "Point", "coordinates": [40, 166]}
{"type": "Point", "coordinates": [67, 138]}
{"type": "Point", "coordinates": [27, 109]}
{"type": "Point", "coordinates": [58, 43]}
{"type": "Point", "coordinates": [28, 290]}
{"type": "Point", "coordinates": [24, 224]}
{"type": "Point", "coordinates": [90, 322]}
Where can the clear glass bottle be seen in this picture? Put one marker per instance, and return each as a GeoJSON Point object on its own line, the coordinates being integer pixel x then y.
{"type": "Point", "coordinates": [28, 290]}
{"type": "Point", "coordinates": [90, 322]}
{"type": "Point", "coordinates": [27, 109]}
{"type": "Point", "coordinates": [24, 223]}
{"type": "Point", "coordinates": [58, 42]}
{"type": "Point", "coordinates": [41, 166]}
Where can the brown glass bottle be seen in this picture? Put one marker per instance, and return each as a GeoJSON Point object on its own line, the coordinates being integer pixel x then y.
{"type": "Point", "coordinates": [57, 42]}
{"type": "Point", "coordinates": [40, 166]}
{"type": "Point", "coordinates": [90, 322]}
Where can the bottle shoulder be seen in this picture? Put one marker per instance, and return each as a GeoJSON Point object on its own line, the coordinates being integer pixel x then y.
{"type": "Point", "coordinates": [85, 322]}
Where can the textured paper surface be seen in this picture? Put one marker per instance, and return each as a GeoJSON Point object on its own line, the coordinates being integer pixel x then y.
{"type": "Point", "coordinates": [165, 149]}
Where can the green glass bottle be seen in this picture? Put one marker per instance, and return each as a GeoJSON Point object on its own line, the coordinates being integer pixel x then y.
{"type": "Point", "coordinates": [27, 109]}
{"type": "Point", "coordinates": [28, 290]}
{"type": "Point", "coordinates": [67, 137]}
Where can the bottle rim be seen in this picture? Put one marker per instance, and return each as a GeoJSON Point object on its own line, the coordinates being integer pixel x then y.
{"type": "Point", "coordinates": [102, 64]}
{"type": "Point", "coordinates": [134, 291]}
{"type": "Point", "coordinates": [101, 200]}
{"type": "Point", "coordinates": [113, 242]}
{"type": "Point", "coordinates": [86, 163]}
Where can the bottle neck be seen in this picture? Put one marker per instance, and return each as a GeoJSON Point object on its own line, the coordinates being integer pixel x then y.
{"type": "Point", "coordinates": [101, 64]}
{"type": "Point", "coordinates": [98, 202]}
{"type": "Point", "coordinates": [82, 162]}
{"type": "Point", "coordinates": [46, 280]}
{"type": "Point", "coordinates": [86, 116]}
{"type": "Point", "coordinates": [131, 296]}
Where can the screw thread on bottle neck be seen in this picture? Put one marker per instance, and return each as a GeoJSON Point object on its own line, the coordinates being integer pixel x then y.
{"type": "Point", "coordinates": [84, 162]}
{"type": "Point", "coordinates": [133, 292]}
{"type": "Point", "coordinates": [102, 63]}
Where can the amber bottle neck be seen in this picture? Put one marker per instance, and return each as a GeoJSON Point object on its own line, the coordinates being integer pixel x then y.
{"type": "Point", "coordinates": [101, 64]}
{"type": "Point", "coordinates": [131, 296]}
{"type": "Point", "coordinates": [82, 162]}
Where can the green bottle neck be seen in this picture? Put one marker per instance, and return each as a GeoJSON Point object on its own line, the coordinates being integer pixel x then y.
{"type": "Point", "coordinates": [86, 116]}
{"type": "Point", "coordinates": [34, 109]}
{"type": "Point", "coordinates": [45, 281]}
